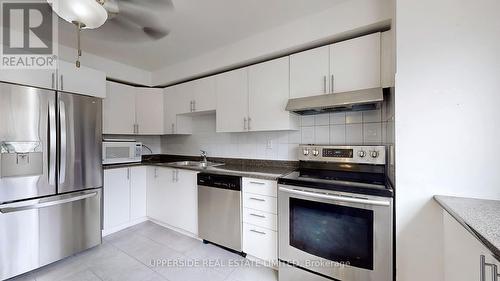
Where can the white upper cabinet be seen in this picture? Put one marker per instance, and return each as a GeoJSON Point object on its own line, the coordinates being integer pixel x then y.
{"type": "Point", "coordinates": [341, 67]}
{"type": "Point", "coordinates": [149, 111]}
{"type": "Point", "coordinates": [309, 73]}
{"type": "Point", "coordinates": [169, 112]}
{"type": "Point", "coordinates": [196, 96]}
{"type": "Point", "coordinates": [269, 92]}
{"type": "Point", "coordinates": [83, 80]}
{"type": "Point", "coordinates": [119, 109]}
{"type": "Point", "coordinates": [355, 64]}
{"type": "Point", "coordinates": [129, 110]}
{"type": "Point", "coordinates": [232, 101]}
{"type": "Point", "coordinates": [204, 96]}
{"type": "Point", "coordinates": [174, 104]}
{"type": "Point", "coordinates": [388, 59]}
{"type": "Point", "coordinates": [184, 98]}
{"type": "Point", "coordinates": [67, 78]}
{"type": "Point", "coordinates": [41, 78]}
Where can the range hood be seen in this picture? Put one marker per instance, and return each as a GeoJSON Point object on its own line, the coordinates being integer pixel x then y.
{"type": "Point", "coordinates": [347, 101]}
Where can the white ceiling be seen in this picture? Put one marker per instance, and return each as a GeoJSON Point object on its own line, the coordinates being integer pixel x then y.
{"type": "Point", "coordinates": [197, 27]}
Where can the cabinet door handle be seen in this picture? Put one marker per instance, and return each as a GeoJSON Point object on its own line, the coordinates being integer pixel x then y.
{"type": "Point", "coordinates": [62, 82]}
{"type": "Point", "coordinates": [191, 106]}
{"type": "Point", "coordinates": [53, 80]}
{"type": "Point", "coordinates": [194, 105]}
{"type": "Point", "coordinates": [173, 128]}
{"type": "Point", "coordinates": [324, 84]}
{"type": "Point", "coordinates": [332, 81]}
{"type": "Point", "coordinates": [258, 232]}
{"type": "Point", "coordinates": [257, 199]}
{"type": "Point", "coordinates": [259, 216]}
{"type": "Point", "coordinates": [156, 172]}
{"type": "Point", "coordinates": [256, 182]}
{"type": "Point", "coordinates": [244, 123]}
{"type": "Point", "coordinates": [249, 121]}
{"type": "Point", "coordinates": [482, 269]}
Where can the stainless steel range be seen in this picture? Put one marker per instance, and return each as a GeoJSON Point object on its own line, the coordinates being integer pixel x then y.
{"type": "Point", "coordinates": [336, 216]}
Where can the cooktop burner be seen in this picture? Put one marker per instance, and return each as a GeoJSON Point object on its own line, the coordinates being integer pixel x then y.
{"type": "Point", "coordinates": [354, 169]}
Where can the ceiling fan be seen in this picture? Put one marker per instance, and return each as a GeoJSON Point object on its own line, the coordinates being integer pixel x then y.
{"type": "Point", "coordinates": [124, 18]}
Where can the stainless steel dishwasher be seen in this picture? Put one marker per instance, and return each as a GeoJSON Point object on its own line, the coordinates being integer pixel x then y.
{"type": "Point", "coordinates": [219, 210]}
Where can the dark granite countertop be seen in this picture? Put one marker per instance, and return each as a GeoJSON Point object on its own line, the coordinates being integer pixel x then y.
{"type": "Point", "coordinates": [479, 216]}
{"type": "Point", "coordinates": [261, 169]}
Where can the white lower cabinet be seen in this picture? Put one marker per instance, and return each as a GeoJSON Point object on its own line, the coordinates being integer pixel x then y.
{"type": "Point", "coordinates": [260, 242]}
{"type": "Point", "coordinates": [462, 254]}
{"type": "Point", "coordinates": [138, 193]}
{"type": "Point", "coordinates": [124, 197]}
{"type": "Point", "coordinates": [172, 197]}
{"type": "Point", "coordinates": [260, 219]}
{"type": "Point", "coordinates": [116, 198]}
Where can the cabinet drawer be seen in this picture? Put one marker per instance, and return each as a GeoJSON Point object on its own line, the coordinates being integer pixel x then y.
{"type": "Point", "coordinates": [260, 242]}
{"type": "Point", "coordinates": [259, 218]}
{"type": "Point", "coordinates": [262, 187]}
{"type": "Point", "coordinates": [260, 202]}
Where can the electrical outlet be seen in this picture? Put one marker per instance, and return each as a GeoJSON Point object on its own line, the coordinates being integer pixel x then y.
{"type": "Point", "coordinates": [269, 144]}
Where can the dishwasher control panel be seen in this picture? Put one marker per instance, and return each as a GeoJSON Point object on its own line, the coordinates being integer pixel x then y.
{"type": "Point", "coordinates": [220, 181]}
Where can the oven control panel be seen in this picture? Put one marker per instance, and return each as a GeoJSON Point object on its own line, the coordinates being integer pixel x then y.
{"type": "Point", "coordinates": [343, 154]}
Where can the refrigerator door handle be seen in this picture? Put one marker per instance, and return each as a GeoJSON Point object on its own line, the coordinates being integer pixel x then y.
{"type": "Point", "coordinates": [63, 144]}
{"type": "Point", "coordinates": [52, 143]}
{"type": "Point", "coordinates": [15, 207]}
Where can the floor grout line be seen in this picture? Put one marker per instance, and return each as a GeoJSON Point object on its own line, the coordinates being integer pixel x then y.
{"type": "Point", "coordinates": [150, 268]}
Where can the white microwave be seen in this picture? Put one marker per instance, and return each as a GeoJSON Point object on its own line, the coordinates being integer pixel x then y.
{"type": "Point", "coordinates": [114, 152]}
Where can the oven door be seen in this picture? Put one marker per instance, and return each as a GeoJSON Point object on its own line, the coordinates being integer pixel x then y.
{"type": "Point", "coordinates": [341, 236]}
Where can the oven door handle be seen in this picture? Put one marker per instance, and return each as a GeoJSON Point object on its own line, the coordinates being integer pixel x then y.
{"type": "Point", "coordinates": [336, 198]}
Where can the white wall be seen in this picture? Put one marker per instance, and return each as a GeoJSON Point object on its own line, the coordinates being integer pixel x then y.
{"type": "Point", "coordinates": [311, 30]}
{"type": "Point", "coordinates": [447, 120]}
{"type": "Point", "coordinates": [113, 69]}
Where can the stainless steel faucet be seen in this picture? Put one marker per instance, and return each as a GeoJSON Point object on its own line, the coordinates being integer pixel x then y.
{"type": "Point", "coordinates": [203, 156]}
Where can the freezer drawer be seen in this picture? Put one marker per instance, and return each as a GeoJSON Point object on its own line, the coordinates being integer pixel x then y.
{"type": "Point", "coordinates": [41, 231]}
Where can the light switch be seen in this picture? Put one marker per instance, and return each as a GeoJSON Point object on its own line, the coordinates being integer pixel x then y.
{"type": "Point", "coordinates": [269, 144]}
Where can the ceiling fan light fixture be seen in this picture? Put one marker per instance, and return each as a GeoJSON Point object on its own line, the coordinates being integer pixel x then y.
{"type": "Point", "coordinates": [90, 13]}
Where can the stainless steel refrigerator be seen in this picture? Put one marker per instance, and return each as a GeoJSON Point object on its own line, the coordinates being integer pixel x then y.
{"type": "Point", "coordinates": [50, 176]}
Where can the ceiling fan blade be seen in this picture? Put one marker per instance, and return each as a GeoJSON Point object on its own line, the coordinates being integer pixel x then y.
{"type": "Point", "coordinates": [119, 30]}
{"type": "Point", "coordinates": [155, 34]}
{"type": "Point", "coordinates": [149, 21]}
{"type": "Point", "coordinates": [157, 5]}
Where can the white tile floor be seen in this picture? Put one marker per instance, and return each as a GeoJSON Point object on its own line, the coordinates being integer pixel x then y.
{"type": "Point", "coordinates": [130, 255]}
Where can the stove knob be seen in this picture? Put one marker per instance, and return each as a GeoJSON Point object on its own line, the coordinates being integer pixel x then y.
{"type": "Point", "coordinates": [305, 151]}
{"type": "Point", "coordinates": [374, 154]}
{"type": "Point", "coordinates": [315, 152]}
{"type": "Point", "coordinates": [362, 153]}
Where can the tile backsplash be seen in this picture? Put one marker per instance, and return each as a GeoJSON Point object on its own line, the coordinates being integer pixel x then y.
{"type": "Point", "coordinates": [152, 142]}
{"type": "Point", "coordinates": [353, 128]}
{"type": "Point", "coordinates": [330, 128]}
